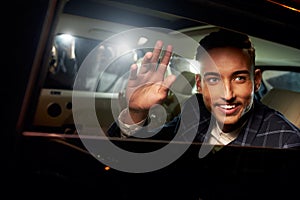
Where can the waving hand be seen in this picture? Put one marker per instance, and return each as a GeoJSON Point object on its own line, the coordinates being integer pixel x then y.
{"type": "Point", "coordinates": [149, 85]}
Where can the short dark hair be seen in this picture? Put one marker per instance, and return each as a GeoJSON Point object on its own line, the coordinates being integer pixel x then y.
{"type": "Point", "coordinates": [226, 38]}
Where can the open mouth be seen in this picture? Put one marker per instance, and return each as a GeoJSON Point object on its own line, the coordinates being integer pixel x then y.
{"type": "Point", "coordinates": [228, 109]}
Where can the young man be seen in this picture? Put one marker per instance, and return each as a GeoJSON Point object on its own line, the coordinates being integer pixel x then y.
{"type": "Point", "coordinates": [227, 111]}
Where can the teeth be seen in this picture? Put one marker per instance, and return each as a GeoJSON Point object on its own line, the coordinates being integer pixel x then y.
{"type": "Point", "coordinates": [227, 106]}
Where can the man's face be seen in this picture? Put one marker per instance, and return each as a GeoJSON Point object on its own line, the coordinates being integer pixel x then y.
{"type": "Point", "coordinates": [227, 82]}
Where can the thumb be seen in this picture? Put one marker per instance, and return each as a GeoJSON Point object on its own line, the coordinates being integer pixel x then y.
{"type": "Point", "coordinates": [168, 81]}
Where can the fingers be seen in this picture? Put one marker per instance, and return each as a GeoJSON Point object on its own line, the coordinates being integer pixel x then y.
{"type": "Point", "coordinates": [165, 60]}
{"type": "Point", "coordinates": [133, 72]}
{"type": "Point", "coordinates": [156, 52]}
{"type": "Point", "coordinates": [146, 63]}
{"type": "Point", "coordinates": [168, 53]}
{"type": "Point", "coordinates": [151, 59]}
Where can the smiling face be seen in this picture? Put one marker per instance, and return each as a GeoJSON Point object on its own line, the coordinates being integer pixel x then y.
{"type": "Point", "coordinates": [227, 82]}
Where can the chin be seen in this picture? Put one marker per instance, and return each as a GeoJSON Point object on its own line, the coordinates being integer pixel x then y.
{"type": "Point", "coordinates": [229, 121]}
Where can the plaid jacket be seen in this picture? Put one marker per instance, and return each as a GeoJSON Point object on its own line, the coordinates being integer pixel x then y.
{"type": "Point", "coordinates": [265, 127]}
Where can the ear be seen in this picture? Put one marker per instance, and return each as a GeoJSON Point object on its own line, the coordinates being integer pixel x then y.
{"type": "Point", "coordinates": [198, 82]}
{"type": "Point", "coordinates": [257, 79]}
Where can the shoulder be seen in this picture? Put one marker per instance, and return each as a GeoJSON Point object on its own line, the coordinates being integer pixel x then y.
{"type": "Point", "coordinates": [276, 118]}
{"type": "Point", "coordinates": [275, 128]}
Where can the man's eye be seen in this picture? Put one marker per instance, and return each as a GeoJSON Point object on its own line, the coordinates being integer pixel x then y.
{"type": "Point", "coordinates": [212, 80]}
{"type": "Point", "coordinates": [240, 78]}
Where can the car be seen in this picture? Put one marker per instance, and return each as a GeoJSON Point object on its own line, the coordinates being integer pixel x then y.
{"type": "Point", "coordinates": [75, 91]}
{"type": "Point", "coordinates": [55, 101]}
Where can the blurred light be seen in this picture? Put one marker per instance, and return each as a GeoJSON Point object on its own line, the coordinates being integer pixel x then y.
{"type": "Point", "coordinates": [194, 66]}
{"type": "Point", "coordinates": [66, 38]}
{"type": "Point", "coordinates": [285, 6]}
{"type": "Point", "coordinates": [142, 40]}
{"type": "Point", "coordinates": [106, 168]}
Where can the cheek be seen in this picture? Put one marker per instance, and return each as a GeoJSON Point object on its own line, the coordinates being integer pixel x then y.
{"type": "Point", "coordinates": [208, 95]}
{"type": "Point", "coordinates": [207, 102]}
{"type": "Point", "coordinates": [213, 92]}
{"type": "Point", "coordinates": [245, 96]}
{"type": "Point", "coordinates": [245, 91]}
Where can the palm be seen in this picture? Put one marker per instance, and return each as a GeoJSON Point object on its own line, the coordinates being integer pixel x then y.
{"type": "Point", "coordinates": [149, 86]}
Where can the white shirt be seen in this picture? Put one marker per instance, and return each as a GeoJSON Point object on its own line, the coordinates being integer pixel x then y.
{"type": "Point", "coordinates": [128, 129]}
{"type": "Point", "coordinates": [218, 137]}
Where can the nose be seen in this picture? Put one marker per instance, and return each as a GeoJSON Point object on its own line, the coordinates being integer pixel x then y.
{"type": "Point", "coordinates": [228, 93]}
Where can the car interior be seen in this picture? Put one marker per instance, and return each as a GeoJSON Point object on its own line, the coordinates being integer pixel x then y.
{"type": "Point", "coordinates": [54, 107]}
{"type": "Point", "coordinates": [83, 69]}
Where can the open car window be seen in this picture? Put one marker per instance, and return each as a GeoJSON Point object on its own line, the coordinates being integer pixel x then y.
{"type": "Point", "coordinates": [86, 40]}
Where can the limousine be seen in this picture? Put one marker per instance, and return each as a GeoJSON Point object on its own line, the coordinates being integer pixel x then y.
{"type": "Point", "coordinates": [78, 55]}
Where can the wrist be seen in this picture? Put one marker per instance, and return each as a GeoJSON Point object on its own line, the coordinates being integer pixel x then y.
{"type": "Point", "coordinates": [133, 116]}
{"type": "Point", "coordinates": [128, 129]}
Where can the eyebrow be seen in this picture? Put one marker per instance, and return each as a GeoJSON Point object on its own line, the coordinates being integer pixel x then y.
{"type": "Point", "coordinates": [211, 74]}
{"type": "Point", "coordinates": [234, 73]}
{"type": "Point", "coordinates": [241, 72]}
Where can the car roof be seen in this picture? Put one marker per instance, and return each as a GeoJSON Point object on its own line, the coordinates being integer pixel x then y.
{"type": "Point", "coordinates": [275, 38]}
{"type": "Point", "coordinates": [255, 17]}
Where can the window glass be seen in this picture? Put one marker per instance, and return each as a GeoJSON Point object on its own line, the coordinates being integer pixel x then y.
{"type": "Point", "coordinates": [67, 54]}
